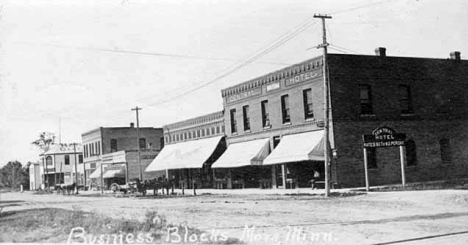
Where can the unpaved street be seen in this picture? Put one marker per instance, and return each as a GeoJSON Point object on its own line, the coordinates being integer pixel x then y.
{"type": "Point", "coordinates": [413, 217]}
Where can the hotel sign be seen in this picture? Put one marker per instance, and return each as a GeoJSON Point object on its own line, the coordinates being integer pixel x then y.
{"type": "Point", "coordinates": [383, 137]}
{"type": "Point", "coordinates": [300, 78]}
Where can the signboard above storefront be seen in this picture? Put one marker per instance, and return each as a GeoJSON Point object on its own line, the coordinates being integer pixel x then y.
{"type": "Point", "coordinates": [383, 137]}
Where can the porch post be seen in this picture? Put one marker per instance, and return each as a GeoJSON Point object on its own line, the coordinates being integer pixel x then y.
{"type": "Point", "coordinates": [283, 170]}
{"type": "Point", "coordinates": [402, 160]}
{"type": "Point", "coordinates": [365, 169]}
{"type": "Point", "coordinates": [273, 177]}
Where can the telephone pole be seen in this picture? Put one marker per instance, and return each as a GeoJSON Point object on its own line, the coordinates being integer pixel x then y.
{"type": "Point", "coordinates": [326, 96]}
{"type": "Point", "coordinates": [136, 109]}
{"type": "Point", "coordinates": [76, 168]}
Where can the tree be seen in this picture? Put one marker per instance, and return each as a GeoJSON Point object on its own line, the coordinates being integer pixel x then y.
{"type": "Point", "coordinates": [13, 175]}
{"type": "Point", "coordinates": [46, 139]}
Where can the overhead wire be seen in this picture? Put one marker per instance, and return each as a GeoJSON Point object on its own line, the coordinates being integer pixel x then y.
{"type": "Point", "coordinates": [269, 48]}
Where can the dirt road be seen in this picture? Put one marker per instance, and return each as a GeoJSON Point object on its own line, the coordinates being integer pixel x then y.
{"type": "Point", "coordinates": [412, 217]}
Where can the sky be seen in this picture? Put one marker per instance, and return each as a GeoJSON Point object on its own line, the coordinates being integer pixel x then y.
{"type": "Point", "coordinates": [72, 66]}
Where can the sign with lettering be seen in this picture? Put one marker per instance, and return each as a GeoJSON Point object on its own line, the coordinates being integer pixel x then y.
{"type": "Point", "coordinates": [300, 78]}
{"type": "Point", "coordinates": [273, 86]}
{"type": "Point", "coordinates": [242, 95]}
{"type": "Point", "coordinates": [383, 137]}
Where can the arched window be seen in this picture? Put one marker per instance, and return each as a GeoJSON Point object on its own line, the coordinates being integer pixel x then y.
{"type": "Point", "coordinates": [67, 159]}
{"type": "Point", "coordinates": [49, 160]}
{"type": "Point", "coordinates": [411, 157]}
{"type": "Point", "coordinates": [445, 151]}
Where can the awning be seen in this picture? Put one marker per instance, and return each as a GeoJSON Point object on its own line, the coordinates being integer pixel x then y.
{"type": "Point", "coordinates": [189, 154]}
{"type": "Point", "coordinates": [244, 154]}
{"type": "Point", "coordinates": [96, 174]}
{"type": "Point", "coordinates": [298, 147]}
{"type": "Point", "coordinates": [114, 173]}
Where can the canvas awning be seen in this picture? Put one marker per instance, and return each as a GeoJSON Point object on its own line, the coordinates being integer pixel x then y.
{"type": "Point", "coordinates": [298, 147]}
{"type": "Point", "coordinates": [114, 173]}
{"type": "Point", "coordinates": [96, 174]}
{"type": "Point", "coordinates": [189, 154]}
{"type": "Point", "coordinates": [244, 154]}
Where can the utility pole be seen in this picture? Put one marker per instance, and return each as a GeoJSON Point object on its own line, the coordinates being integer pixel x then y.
{"type": "Point", "coordinates": [326, 110]}
{"type": "Point", "coordinates": [136, 109]}
{"type": "Point", "coordinates": [76, 168]}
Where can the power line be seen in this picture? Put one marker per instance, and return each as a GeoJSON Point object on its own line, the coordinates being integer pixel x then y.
{"type": "Point", "coordinates": [359, 7]}
{"type": "Point", "coordinates": [141, 53]}
{"type": "Point", "coordinates": [344, 49]}
{"type": "Point", "coordinates": [282, 40]}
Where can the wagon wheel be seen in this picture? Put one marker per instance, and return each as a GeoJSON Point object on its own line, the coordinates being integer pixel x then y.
{"type": "Point", "coordinates": [115, 187]}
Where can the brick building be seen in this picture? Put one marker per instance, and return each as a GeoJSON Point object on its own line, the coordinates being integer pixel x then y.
{"type": "Point", "coordinates": [274, 122]}
{"type": "Point", "coordinates": [191, 147]}
{"type": "Point", "coordinates": [115, 149]}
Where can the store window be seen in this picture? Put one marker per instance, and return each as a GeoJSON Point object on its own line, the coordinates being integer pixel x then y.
{"type": "Point", "coordinates": [365, 95]}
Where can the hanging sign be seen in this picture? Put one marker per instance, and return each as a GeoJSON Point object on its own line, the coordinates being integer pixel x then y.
{"type": "Point", "coordinates": [383, 137]}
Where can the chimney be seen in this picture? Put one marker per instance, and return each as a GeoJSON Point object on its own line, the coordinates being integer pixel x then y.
{"type": "Point", "coordinates": [455, 55]}
{"type": "Point", "coordinates": [381, 51]}
{"type": "Point", "coordinates": [132, 125]}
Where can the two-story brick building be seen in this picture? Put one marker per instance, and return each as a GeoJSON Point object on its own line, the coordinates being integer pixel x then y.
{"type": "Point", "coordinates": [259, 112]}
{"type": "Point", "coordinates": [191, 147]}
{"type": "Point", "coordinates": [111, 153]}
{"type": "Point", "coordinates": [282, 113]}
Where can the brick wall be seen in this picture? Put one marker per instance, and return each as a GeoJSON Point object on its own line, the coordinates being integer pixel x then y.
{"type": "Point", "coordinates": [440, 111]}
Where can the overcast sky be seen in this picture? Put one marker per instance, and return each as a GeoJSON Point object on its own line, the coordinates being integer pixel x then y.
{"type": "Point", "coordinates": [89, 62]}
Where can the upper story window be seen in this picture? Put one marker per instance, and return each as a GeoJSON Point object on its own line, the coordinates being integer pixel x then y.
{"type": "Point", "coordinates": [198, 133]}
{"type": "Point", "coordinates": [308, 105]}
{"type": "Point", "coordinates": [365, 95]}
{"type": "Point", "coordinates": [265, 115]}
{"type": "Point", "coordinates": [203, 132]}
{"type": "Point", "coordinates": [445, 151]}
{"type": "Point", "coordinates": [218, 130]}
{"type": "Point", "coordinates": [67, 159]}
{"type": "Point", "coordinates": [285, 109]}
{"type": "Point", "coordinates": [223, 128]}
{"type": "Point", "coordinates": [246, 116]}
{"type": "Point", "coordinates": [99, 147]}
{"type": "Point", "coordinates": [142, 143]}
{"type": "Point", "coordinates": [167, 139]}
{"type": "Point", "coordinates": [80, 158]}
{"type": "Point", "coordinates": [113, 145]}
{"type": "Point", "coordinates": [207, 131]}
{"type": "Point", "coordinates": [411, 158]}
{"type": "Point", "coordinates": [405, 99]}
{"type": "Point", "coordinates": [49, 160]}
{"type": "Point", "coordinates": [85, 150]}
{"type": "Point", "coordinates": [233, 121]}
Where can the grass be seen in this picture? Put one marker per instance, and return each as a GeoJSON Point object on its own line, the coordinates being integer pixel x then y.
{"type": "Point", "coordinates": [50, 225]}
